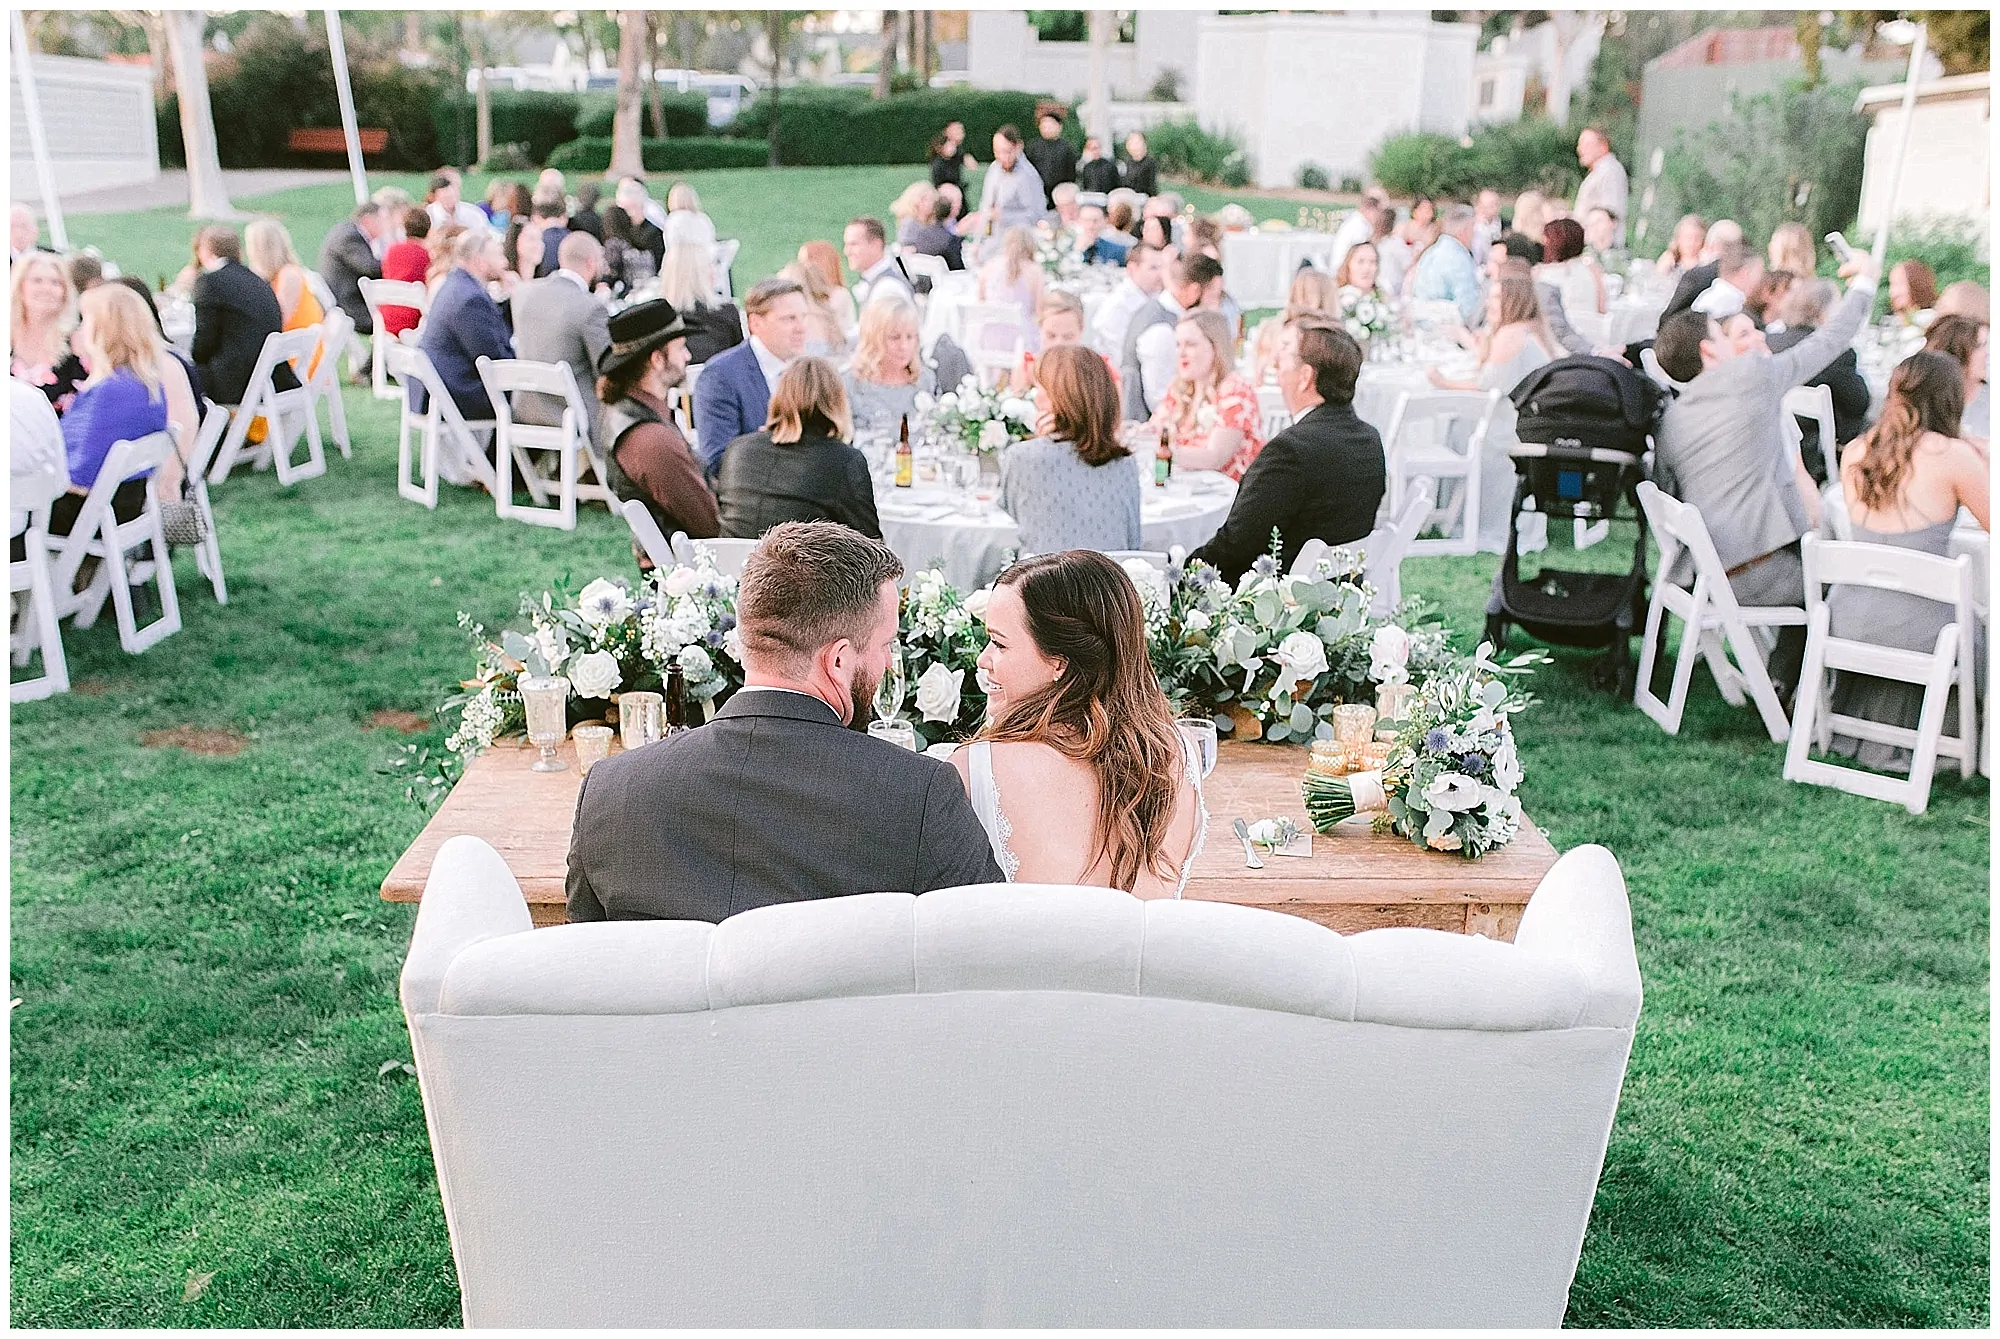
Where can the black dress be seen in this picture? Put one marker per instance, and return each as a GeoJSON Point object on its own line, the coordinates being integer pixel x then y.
{"type": "Point", "coordinates": [766, 483]}
{"type": "Point", "coordinates": [947, 170]}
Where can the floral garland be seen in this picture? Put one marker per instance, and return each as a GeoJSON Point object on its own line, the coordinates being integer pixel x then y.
{"type": "Point", "coordinates": [976, 419]}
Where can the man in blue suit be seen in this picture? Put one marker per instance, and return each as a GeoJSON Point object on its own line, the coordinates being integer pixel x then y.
{"type": "Point", "coordinates": [733, 396]}
{"type": "Point", "coordinates": [464, 324]}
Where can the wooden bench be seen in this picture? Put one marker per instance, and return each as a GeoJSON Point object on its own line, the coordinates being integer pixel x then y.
{"type": "Point", "coordinates": [334, 140]}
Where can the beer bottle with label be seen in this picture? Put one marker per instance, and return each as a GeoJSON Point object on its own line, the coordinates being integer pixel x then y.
{"type": "Point", "coordinates": [905, 462]}
{"type": "Point", "coordinates": [1163, 460]}
{"type": "Point", "coordinates": [676, 696]}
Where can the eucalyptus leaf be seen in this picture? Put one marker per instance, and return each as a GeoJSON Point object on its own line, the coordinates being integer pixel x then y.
{"type": "Point", "coordinates": [1301, 721]}
{"type": "Point", "coordinates": [1278, 733]}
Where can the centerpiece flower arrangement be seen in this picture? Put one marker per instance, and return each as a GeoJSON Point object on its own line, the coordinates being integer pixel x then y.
{"type": "Point", "coordinates": [1364, 315]}
{"type": "Point", "coordinates": [943, 633]}
{"type": "Point", "coordinates": [1056, 252]}
{"type": "Point", "coordinates": [1451, 776]}
{"type": "Point", "coordinates": [609, 639]}
{"type": "Point", "coordinates": [975, 419]}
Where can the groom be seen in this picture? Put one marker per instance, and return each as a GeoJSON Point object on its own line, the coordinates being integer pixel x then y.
{"type": "Point", "coordinates": [780, 798]}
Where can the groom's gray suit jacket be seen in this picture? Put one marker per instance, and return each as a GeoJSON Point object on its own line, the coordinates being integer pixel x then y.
{"type": "Point", "coordinates": [772, 801]}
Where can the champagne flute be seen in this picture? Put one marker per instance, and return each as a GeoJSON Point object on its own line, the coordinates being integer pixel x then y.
{"type": "Point", "coordinates": [889, 692]}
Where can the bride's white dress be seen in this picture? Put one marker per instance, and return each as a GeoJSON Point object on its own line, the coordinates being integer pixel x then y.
{"type": "Point", "coordinates": [1000, 832]}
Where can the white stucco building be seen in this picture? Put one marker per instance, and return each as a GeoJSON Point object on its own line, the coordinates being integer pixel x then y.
{"type": "Point", "coordinates": [99, 120]}
{"type": "Point", "coordinates": [1948, 172]}
{"type": "Point", "coordinates": [1293, 88]}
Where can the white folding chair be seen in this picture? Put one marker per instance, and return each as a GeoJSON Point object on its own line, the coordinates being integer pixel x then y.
{"type": "Point", "coordinates": [725, 256]}
{"type": "Point", "coordinates": [513, 440]}
{"type": "Point", "coordinates": [1816, 403]}
{"type": "Point", "coordinates": [1714, 624]}
{"type": "Point", "coordinates": [1947, 664]}
{"type": "Point", "coordinates": [728, 555]}
{"type": "Point", "coordinates": [98, 533]}
{"type": "Point", "coordinates": [647, 531]}
{"type": "Point", "coordinates": [1387, 545]}
{"type": "Point", "coordinates": [1271, 411]}
{"type": "Point", "coordinates": [38, 627]}
{"type": "Point", "coordinates": [336, 333]}
{"type": "Point", "coordinates": [683, 549]}
{"type": "Point", "coordinates": [993, 336]}
{"type": "Point", "coordinates": [928, 267]}
{"type": "Point", "coordinates": [380, 293]}
{"type": "Point", "coordinates": [1833, 517]}
{"type": "Point", "coordinates": [448, 446]}
{"type": "Point", "coordinates": [208, 553]}
{"type": "Point", "coordinates": [1420, 444]}
{"type": "Point", "coordinates": [285, 414]}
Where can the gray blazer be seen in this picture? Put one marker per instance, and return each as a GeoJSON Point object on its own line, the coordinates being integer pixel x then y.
{"type": "Point", "coordinates": [772, 801]}
{"type": "Point", "coordinates": [555, 321]}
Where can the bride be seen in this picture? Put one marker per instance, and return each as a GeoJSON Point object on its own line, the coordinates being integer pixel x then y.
{"type": "Point", "coordinates": [1079, 775]}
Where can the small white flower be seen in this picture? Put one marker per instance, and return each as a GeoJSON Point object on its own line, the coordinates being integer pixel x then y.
{"type": "Point", "coordinates": [594, 674]}
{"type": "Point", "coordinates": [1197, 620]}
{"type": "Point", "coordinates": [680, 581]}
{"type": "Point", "coordinates": [1389, 654]}
{"type": "Point", "coordinates": [948, 402]}
{"type": "Point", "coordinates": [1150, 580]}
{"type": "Point", "coordinates": [975, 603]}
{"type": "Point", "coordinates": [1018, 409]}
{"type": "Point", "coordinates": [550, 645]}
{"type": "Point", "coordinates": [603, 603]}
{"type": "Point", "coordinates": [938, 692]}
{"type": "Point", "coordinates": [1302, 655]}
{"type": "Point", "coordinates": [695, 663]}
{"type": "Point", "coordinates": [992, 435]}
{"type": "Point", "coordinates": [925, 402]}
{"type": "Point", "coordinates": [1454, 792]}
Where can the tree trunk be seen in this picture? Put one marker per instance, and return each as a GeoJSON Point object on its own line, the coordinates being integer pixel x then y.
{"type": "Point", "coordinates": [927, 45]}
{"type": "Point", "coordinates": [653, 101]}
{"type": "Point", "coordinates": [626, 160]}
{"type": "Point", "coordinates": [1570, 25]}
{"type": "Point", "coordinates": [1099, 122]}
{"type": "Point", "coordinates": [774, 32]}
{"type": "Point", "coordinates": [208, 197]}
{"type": "Point", "coordinates": [482, 97]}
{"type": "Point", "coordinates": [1806, 26]}
{"type": "Point", "coordinates": [885, 57]}
{"type": "Point", "coordinates": [413, 32]}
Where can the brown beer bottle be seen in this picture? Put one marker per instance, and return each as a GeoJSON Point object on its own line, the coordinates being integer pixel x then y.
{"type": "Point", "coordinates": [906, 465]}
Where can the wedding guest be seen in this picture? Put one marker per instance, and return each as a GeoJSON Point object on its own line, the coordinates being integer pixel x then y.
{"type": "Point", "coordinates": [1209, 410]}
{"type": "Point", "coordinates": [1142, 174]}
{"type": "Point", "coordinates": [1059, 321]}
{"type": "Point", "coordinates": [912, 209]}
{"type": "Point", "coordinates": [1053, 157]}
{"type": "Point", "coordinates": [1096, 173]}
{"type": "Point", "coordinates": [85, 271]}
{"type": "Point", "coordinates": [647, 235]}
{"type": "Point", "coordinates": [558, 320]}
{"type": "Point", "coordinates": [1072, 485]}
{"type": "Point", "coordinates": [348, 256]}
{"type": "Point", "coordinates": [44, 312]}
{"type": "Point", "coordinates": [34, 444]}
{"type": "Point", "coordinates": [799, 466]}
{"type": "Point", "coordinates": [735, 390]}
{"type": "Point", "coordinates": [23, 232]}
{"type": "Point", "coordinates": [824, 337]}
{"type": "Point", "coordinates": [1360, 274]}
{"type": "Point", "coordinates": [1723, 234]}
{"type": "Point", "coordinates": [1091, 243]}
{"type": "Point", "coordinates": [948, 159]}
{"type": "Point", "coordinates": [407, 261]}
{"type": "Point", "coordinates": [1321, 478]}
{"type": "Point", "coordinates": [1149, 357]}
{"type": "Point", "coordinates": [585, 218]}
{"type": "Point", "coordinates": [1393, 254]}
{"type": "Point", "coordinates": [180, 382]}
{"type": "Point", "coordinates": [1145, 273]}
{"type": "Point", "coordinates": [933, 235]}
{"type": "Point", "coordinates": [1904, 482]}
{"type": "Point", "coordinates": [394, 202]}
{"type": "Point", "coordinates": [1486, 224]}
{"type": "Point", "coordinates": [1013, 276]}
{"type": "Point", "coordinates": [1802, 311]}
{"type": "Point", "coordinates": [825, 261]}
{"type": "Point", "coordinates": [1721, 448]}
{"type": "Point", "coordinates": [1568, 270]}
{"type": "Point", "coordinates": [778, 799]}
{"type": "Point", "coordinates": [645, 455]}
{"type": "Point", "coordinates": [1445, 272]}
{"type": "Point", "coordinates": [687, 280]}
{"type": "Point", "coordinates": [1531, 216]}
{"type": "Point", "coordinates": [1762, 304]}
{"type": "Point", "coordinates": [498, 206]}
{"type": "Point", "coordinates": [235, 311]}
{"type": "Point", "coordinates": [1314, 292]}
{"type": "Point", "coordinates": [1356, 228]}
{"type": "Point", "coordinates": [535, 254]}
{"type": "Point", "coordinates": [1513, 343]}
{"type": "Point", "coordinates": [465, 324]}
{"type": "Point", "coordinates": [1738, 269]}
{"type": "Point", "coordinates": [1683, 253]}
{"type": "Point", "coordinates": [1063, 203]}
{"type": "Point", "coordinates": [1605, 186]}
{"type": "Point", "coordinates": [887, 372]}
{"type": "Point", "coordinates": [1791, 250]}
{"type": "Point", "coordinates": [447, 206]}
{"type": "Point", "coordinates": [1963, 339]}
{"type": "Point", "coordinates": [866, 246]}
{"type": "Point", "coordinates": [1120, 210]}
{"type": "Point", "coordinates": [1912, 291]}
{"type": "Point", "coordinates": [1965, 298]}
{"type": "Point", "coordinates": [683, 199]}
{"type": "Point", "coordinates": [1011, 195]}
{"type": "Point", "coordinates": [627, 262]}
{"type": "Point", "coordinates": [267, 249]}
{"type": "Point", "coordinates": [120, 400]}
{"type": "Point", "coordinates": [1079, 775]}
{"type": "Point", "coordinates": [1204, 238]}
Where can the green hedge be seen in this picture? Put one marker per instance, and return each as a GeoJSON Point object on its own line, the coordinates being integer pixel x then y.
{"type": "Point", "coordinates": [1186, 150]}
{"type": "Point", "coordinates": [593, 154]}
{"type": "Point", "coordinates": [840, 127]}
{"type": "Point", "coordinates": [686, 114]}
{"type": "Point", "coordinates": [540, 120]}
{"type": "Point", "coordinates": [1532, 153]}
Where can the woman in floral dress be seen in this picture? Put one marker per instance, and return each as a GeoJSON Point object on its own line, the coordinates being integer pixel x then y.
{"type": "Point", "coordinates": [1210, 411]}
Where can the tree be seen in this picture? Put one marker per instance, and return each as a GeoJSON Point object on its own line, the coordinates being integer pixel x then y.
{"type": "Point", "coordinates": [482, 97]}
{"type": "Point", "coordinates": [626, 160]}
{"type": "Point", "coordinates": [885, 62]}
{"type": "Point", "coordinates": [653, 100]}
{"type": "Point", "coordinates": [208, 196]}
{"type": "Point", "coordinates": [1570, 25]}
{"type": "Point", "coordinates": [774, 31]}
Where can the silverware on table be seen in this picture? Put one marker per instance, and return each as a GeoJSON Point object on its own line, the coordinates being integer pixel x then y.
{"type": "Point", "coordinates": [1250, 858]}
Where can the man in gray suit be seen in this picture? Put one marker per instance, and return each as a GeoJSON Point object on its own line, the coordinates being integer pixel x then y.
{"type": "Point", "coordinates": [782, 797]}
{"type": "Point", "coordinates": [559, 320]}
{"type": "Point", "coordinates": [348, 256]}
{"type": "Point", "coordinates": [1721, 447]}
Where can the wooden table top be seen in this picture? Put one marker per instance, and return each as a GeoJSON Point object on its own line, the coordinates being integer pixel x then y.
{"type": "Point", "coordinates": [1353, 878]}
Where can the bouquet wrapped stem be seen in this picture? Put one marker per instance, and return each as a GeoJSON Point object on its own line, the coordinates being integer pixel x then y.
{"type": "Point", "coordinates": [1332, 799]}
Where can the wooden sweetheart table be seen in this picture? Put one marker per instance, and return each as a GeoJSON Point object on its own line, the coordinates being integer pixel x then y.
{"type": "Point", "coordinates": [1354, 880]}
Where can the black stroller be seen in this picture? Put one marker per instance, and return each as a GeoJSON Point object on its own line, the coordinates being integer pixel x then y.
{"type": "Point", "coordinates": [1584, 431]}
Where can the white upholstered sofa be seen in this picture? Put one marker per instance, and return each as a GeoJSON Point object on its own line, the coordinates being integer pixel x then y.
{"type": "Point", "coordinates": [1022, 1106]}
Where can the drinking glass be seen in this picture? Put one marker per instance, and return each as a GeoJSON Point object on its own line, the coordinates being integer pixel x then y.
{"type": "Point", "coordinates": [1200, 731]}
{"type": "Point", "coordinates": [641, 719]}
{"type": "Point", "coordinates": [543, 696]}
{"type": "Point", "coordinates": [593, 745]}
{"type": "Point", "coordinates": [889, 693]}
{"type": "Point", "coordinates": [898, 732]}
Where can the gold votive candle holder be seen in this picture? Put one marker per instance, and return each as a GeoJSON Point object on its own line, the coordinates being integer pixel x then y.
{"type": "Point", "coordinates": [593, 745]}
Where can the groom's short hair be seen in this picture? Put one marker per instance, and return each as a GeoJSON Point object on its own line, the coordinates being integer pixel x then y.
{"type": "Point", "coordinates": [808, 584]}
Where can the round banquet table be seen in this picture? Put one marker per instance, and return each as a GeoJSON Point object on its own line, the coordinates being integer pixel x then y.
{"type": "Point", "coordinates": [932, 525]}
{"type": "Point", "coordinates": [1257, 266]}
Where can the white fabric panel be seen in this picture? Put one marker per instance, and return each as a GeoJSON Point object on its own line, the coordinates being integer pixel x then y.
{"type": "Point", "coordinates": [1427, 978]}
{"type": "Point", "coordinates": [1029, 936]}
{"type": "Point", "coordinates": [610, 967]}
{"type": "Point", "coordinates": [1243, 956]}
{"type": "Point", "coordinates": [856, 945]}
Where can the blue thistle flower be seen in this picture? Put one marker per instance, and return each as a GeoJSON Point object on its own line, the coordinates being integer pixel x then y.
{"type": "Point", "coordinates": [1472, 764]}
{"type": "Point", "coordinates": [1437, 741]}
{"type": "Point", "coordinates": [1265, 565]}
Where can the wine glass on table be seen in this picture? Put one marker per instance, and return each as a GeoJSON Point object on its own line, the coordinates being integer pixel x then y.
{"type": "Point", "coordinates": [889, 692]}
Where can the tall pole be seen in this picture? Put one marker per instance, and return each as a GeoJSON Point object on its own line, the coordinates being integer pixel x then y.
{"type": "Point", "coordinates": [1902, 146]}
{"type": "Point", "coordinates": [1099, 123]}
{"type": "Point", "coordinates": [349, 126]}
{"type": "Point", "coordinates": [38, 139]}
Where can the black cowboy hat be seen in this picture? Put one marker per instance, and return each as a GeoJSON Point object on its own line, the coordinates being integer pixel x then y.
{"type": "Point", "coordinates": [637, 331]}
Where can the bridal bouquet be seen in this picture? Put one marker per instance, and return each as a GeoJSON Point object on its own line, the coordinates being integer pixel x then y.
{"type": "Point", "coordinates": [609, 639]}
{"type": "Point", "coordinates": [1365, 315]}
{"type": "Point", "coordinates": [942, 637]}
{"type": "Point", "coordinates": [1450, 780]}
{"type": "Point", "coordinates": [978, 420]}
{"type": "Point", "coordinates": [1056, 253]}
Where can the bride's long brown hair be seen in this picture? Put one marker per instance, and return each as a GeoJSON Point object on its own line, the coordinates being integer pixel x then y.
{"type": "Point", "coordinates": [1106, 709]}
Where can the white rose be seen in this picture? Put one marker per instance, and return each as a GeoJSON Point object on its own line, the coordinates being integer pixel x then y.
{"type": "Point", "coordinates": [1021, 411]}
{"type": "Point", "coordinates": [603, 602]}
{"type": "Point", "coordinates": [1150, 580]}
{"type": "Point", "coordinates": [1454, 792]}
{"type": "Point", "coordinates": [732, 644]}
{"type": "Point", "coordinates": [975, 603]}
{"type": "Point", "coordinates": [594, 674]}
{"type": "Point", "coordinates": [1389, 654]}
{"type": "Point", "coordinates": [948, 402]}
{"type": "Point", "coordinates": [938, 693]}
{"type": "Point", "coordinates": [1507, 765]}
{"type": "Point", "coordinates": [694, 663]}
{"type": "Point", "coordinates": [992, 435]}
{"type": "Point", "coordinates": [679, 582]}
{"type": "Point", "coordinates": [1303, 655]}
{"type": "Point", "coordinates": [924, 402]}
{"type": "Point", "coordinates": [1197, 620]}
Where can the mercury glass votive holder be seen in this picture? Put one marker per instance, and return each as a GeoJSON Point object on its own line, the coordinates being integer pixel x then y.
{"type": "Point", "coordinates": [1353, 723]}
{"type": "Point", "coordinates": [593, 745]}
{"type": "Point", "coordinates": [641, 719]}
{"type": "Point", "coordinates": [543, 698]}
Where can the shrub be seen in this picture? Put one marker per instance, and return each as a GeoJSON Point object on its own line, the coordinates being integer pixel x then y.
{"type": "Point", "coordinates": [1312, 177]}
{"type": "Point", "coordinates": [838, 127]}
{"type": "Point", "coordinates": [686, 114]}
{"type": "Point", "coordinates": [1186, 150]}
{"type": "Point", "coordinates": [1421, 164]}
{"type": "Point", "coordinates": [1950, 246]}
{"type": "Point", "coordinates": [541, 120]}
{"type": "Point", "coordinates": [1531, 153]}
{"type": "Point", "coordinates": [593, 154]}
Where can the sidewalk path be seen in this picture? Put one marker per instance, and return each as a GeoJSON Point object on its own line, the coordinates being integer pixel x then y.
{"type": "Point", "coordinates": [171, 189]}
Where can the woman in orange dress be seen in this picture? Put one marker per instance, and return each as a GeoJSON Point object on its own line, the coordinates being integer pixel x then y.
{"type": "Point", "coordinates": [267, 249]}
{"type": "Point", "coordinates": [1210, 411]}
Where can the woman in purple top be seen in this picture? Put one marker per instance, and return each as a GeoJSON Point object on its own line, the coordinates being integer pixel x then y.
{"type": "Point", "coordinates": [122, 400]}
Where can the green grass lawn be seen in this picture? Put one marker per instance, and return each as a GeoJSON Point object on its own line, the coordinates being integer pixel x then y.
{"type": "Point", "coordinates": [202, 1134]}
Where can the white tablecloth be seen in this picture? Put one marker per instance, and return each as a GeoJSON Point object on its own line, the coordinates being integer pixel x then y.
{"type": "Point", "coordinates": [1257, 267]}
{"type": "Point", "coordinates": [932, 526]}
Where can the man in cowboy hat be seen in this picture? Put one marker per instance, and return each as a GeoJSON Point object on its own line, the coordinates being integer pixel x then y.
{"type": "Point", "coordinates": [645, 453]}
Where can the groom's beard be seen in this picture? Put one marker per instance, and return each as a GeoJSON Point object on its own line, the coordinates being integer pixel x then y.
{"type": "Point", "coordinates": [861, 692]}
